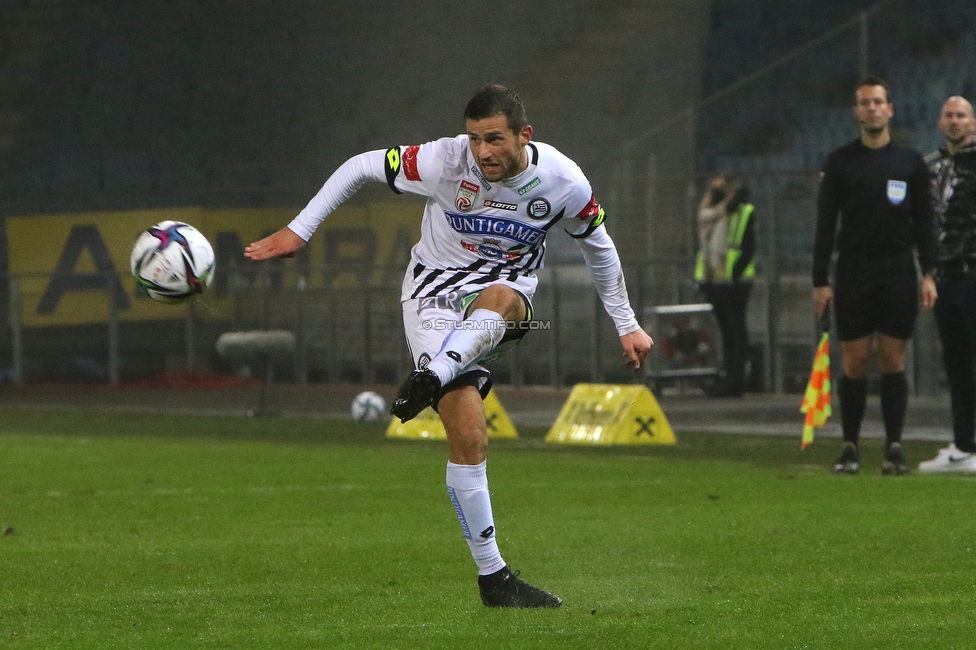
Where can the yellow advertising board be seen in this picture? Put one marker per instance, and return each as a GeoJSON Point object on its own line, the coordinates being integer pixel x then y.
{"type": "Point", "coordinates": [68, 265]}
{"type": "Point", "coordinates": [428, 426]}
{"type": "Point", "coordinates": [606, 414]}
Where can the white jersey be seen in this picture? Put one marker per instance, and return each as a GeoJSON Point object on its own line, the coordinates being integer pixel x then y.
{"type": "Point", "coordinates": [477, 232]}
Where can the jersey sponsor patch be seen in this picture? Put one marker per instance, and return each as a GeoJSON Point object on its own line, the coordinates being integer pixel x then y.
{"type": "Point", "coordinates": [484, 225]}
{"type": "Point", "coordinates": [466, 195]}
{"type": "Point", "coordinates": [591, 209]}
{"type": "Point", "coordinates": [410, 171]}
{"type": "Point", "coordinates": [501, 206]}
{"type": "Point", "coordinates": [528, 187]}
{"type": "Point", "coordinates": [477, 172]}
{"type": "Point", "coordinates": [897, 190]}
{"type": "Point", "coordinates": [490, 249]}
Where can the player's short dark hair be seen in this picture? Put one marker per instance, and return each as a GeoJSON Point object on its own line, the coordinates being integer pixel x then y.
{"type": "Point", "coordinates": [496, 99]}
{"type": "Point", "coordinates": [873, 80]}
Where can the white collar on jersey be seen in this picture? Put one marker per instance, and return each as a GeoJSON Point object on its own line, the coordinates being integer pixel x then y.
{"type": "Point", "coordinates": [533, 157]}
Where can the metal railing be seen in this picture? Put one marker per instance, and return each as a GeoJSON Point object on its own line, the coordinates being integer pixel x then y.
{"type": "Point", "coordinates": [349, 329]}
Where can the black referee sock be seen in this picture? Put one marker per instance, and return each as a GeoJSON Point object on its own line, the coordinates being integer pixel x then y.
{"type": "Point", "coordinates": [853, 394]}
{"type": "Point", "coordinates": [894, 404]}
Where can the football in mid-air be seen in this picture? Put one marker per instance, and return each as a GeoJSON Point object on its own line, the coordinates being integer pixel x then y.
{"type": "Point", "coordinates": [368, 407]}
{"type": "Point", "coordinates": [172, 262]}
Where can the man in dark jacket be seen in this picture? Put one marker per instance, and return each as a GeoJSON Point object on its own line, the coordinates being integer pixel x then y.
{"type": "Point", "coordinates": [953, 174]}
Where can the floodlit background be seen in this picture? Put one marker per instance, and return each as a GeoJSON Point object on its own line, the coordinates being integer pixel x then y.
{"type": "Point", "coordinates": [231, 114]}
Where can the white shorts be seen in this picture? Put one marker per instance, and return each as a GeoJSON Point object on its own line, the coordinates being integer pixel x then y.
{"type": "Point", "coordinates": [429, 320]}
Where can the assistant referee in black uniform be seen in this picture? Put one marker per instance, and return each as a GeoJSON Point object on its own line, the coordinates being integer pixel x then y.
{"type": "Point", "coordinates": [880, 192]}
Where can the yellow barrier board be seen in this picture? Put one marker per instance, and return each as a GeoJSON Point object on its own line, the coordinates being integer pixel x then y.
{"type": "Point", "coordinates": [428, 426]}
{"type": "Point", "coordinates": [67, 264]}
{"type": "Point", "coordinates": [605, 414]}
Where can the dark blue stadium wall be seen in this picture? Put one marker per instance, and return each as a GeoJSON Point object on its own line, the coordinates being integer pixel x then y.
{"type": "Point", "coordinates": [252, 103]}
{"type": "Point", "coordinates": [926, 51]}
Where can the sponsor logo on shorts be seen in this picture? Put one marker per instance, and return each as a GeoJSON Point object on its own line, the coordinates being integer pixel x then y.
{"type": "Point", "coordinates": [538, 208]}
{"type": "Point", "coordinates": [528, 187]}
{"type": "Point", "coordinates": [453, 301]}
{"type": "Point", "coordinates": [498, 204]}
{"type": "Point", "coordinates": [466, 195]}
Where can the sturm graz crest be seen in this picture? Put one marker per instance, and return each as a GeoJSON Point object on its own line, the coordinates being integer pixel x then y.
{"type": "Point", "coordinates": [538, 208]}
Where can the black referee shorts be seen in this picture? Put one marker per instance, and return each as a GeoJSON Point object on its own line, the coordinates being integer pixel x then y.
{"type": "Point", "coordinates": [875, 294]}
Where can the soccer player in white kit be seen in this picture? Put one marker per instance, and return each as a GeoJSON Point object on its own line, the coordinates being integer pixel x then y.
{"type": "Point", "coordinates": [492, 196]}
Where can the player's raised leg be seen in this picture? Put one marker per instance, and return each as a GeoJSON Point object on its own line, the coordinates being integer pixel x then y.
{"type": "Point", "coordinates": [481, 330]}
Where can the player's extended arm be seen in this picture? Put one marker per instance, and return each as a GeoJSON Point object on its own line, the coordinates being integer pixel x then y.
{"type": "Point", "coordinates": [637, 345]}
{"type": "Point", "coordinates": [601, 258]}
{"type": "Point", "coordinates": [283, 243]}
{"type": "Point", "coordinates": [346, 180]}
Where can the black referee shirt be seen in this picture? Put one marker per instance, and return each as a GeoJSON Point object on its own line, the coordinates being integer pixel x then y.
{"type": "Point", "coordinates": [884, 202]}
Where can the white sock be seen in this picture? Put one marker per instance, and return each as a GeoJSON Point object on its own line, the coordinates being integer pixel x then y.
{"type": "Point", "coordinates": [476, 336]}
{"type": "Point", "coordinates": [467, 485]}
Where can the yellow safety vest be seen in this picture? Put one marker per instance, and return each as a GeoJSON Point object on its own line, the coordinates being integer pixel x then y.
{"type": "Point", "coordinates": [733, 240]}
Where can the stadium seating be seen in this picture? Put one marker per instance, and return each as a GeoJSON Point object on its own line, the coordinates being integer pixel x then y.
{"type": "Point", "coordinates": [920, 80]}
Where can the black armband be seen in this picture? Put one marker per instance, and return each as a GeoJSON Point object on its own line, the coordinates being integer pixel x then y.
{"type": "Point", "coordinates": [391, 164]}
{"type": "Point", "coordinates": [596, 223]}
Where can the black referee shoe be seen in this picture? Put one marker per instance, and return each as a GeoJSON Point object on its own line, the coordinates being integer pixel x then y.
{"type": "Point", "coordinates": [849, 461]}
{"type": "Point", "coordinates": [417, 392]}
{"type": "Point", "coordinates": [894, 463]}
{"type": "Point", "coordinates": [505, 589]}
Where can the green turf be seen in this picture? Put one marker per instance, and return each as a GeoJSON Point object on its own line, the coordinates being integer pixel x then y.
{"type": "Point", "coordinates": [140, 531]}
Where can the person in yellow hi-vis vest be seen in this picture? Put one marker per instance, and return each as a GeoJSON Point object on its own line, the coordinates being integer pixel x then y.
{"type": "Point", "coordinates": [724, 272]}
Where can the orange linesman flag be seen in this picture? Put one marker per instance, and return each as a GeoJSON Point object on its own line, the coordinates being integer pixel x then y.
{"type": "Point", "coordinates": [816, 401]}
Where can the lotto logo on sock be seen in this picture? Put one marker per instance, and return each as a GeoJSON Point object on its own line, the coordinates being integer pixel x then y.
{"type": "Point", "coordinates": [488, 532]}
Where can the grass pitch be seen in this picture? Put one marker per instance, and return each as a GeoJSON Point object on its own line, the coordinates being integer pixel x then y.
{"type": "Point", "coordinates": [162, 531]}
